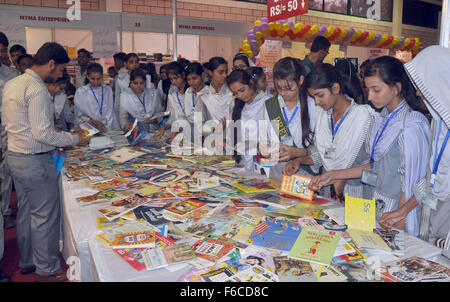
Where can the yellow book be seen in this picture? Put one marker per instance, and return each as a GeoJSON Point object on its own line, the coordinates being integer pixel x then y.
{"type": "Point", "coordinates": [149, 190]}
{"type": "Point", "coordinates": [360, 220]}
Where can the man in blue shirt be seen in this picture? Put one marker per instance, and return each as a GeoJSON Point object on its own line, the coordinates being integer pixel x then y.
{"type": "Point", "coordinates": [319, 50]}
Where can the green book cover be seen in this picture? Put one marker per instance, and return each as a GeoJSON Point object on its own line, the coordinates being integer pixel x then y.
{"type": "Point", "coordinates": [315, 245]}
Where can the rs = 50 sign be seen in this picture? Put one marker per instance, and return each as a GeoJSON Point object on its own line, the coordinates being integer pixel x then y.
{"type": "Point", "coordinates": [283, 9]}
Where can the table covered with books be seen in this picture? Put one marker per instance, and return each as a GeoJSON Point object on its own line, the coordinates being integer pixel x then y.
{"type": "Point", "coordinates": [151, 213]}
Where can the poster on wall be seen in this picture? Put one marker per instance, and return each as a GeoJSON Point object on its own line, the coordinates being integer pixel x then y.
{"type": "Point", "coordinates": [270, 53]}
{"type": "Point", "coordinates": [105, 45]}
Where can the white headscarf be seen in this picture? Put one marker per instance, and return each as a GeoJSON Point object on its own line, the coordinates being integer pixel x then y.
{"type": "Point", "coordinates": [430, 72]}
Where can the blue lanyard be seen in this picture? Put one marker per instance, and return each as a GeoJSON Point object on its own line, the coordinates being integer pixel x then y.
{"type": "Point", "coordinates": [179, 102]}
{"type": "Point", "coordinates": [377, 137]}
{"type": "Point", "coordinates": [437, 158]}
{"type": "Point", "coordinates": [142, 102]}
{"type": "Point", "coordinates": [334, 131]}
{"type": "Point", "coordinates": [194, 103]}
{"type": "Point", "coordinates": [288, 121]}
{"type": "Point", "coordinates": [98, 103]}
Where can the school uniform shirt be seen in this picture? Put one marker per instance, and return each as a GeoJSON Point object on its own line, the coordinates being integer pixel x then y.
{"type": "Point", "coordinates": [295, 126]}
{"type": "Point", "coordinates": [87, 107]}
{"type": "Point", "coordinates": [132, 107]}
{"type": "Point", "coordinates": [80, 79]}
{"type": "Point", "coordinates": [28, 116]}
{"type": "Point", "coordinates": [249, 130]}
{"type": "Point", "coordinates": [214, 106]}
{"type": "Point", "coordinates": [63, 113]}
{"type": "Point", "coordinates": [431, 76]}
{"type": "Point", "coordinates": [348, 142]}
{"type": "Point", "coordinates": [400, 159]}
{"type": "Point", "coordinates": [122, 84]}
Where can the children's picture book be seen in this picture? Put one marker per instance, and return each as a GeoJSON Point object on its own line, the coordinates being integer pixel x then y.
{"type": "Point", "coordinates": [125, 154]}
{"type": "Point", "coordinates": [87, 129]}
{"type": "Point", "coordinates": [412, 269]}
{"type": "Point", "coordinates": [337, 214]}
{"type": "Point", "coordinates": [182, 208]}
{"type": "Point", "coordinates": [123, 206]}
{"type": "Point", "coordinates": [276, 234]}
{"type": "Point", "coordinates": [361, 222]}
{"type": "Point", "coordinates": [304, 210]}
{"type": "Point", "coordinates": [239, 203]}
{"type": "Point", "coordinates": [272, 199]}
{"type": "Point", "coordinates": [150, 214]}
{"type": "Point", "coordinates": [168, 177]}
{"type": "Point", "coordinates": [293, 270]}
{"type": "Point", "coordinates": [248, 257]}
{"type": "Point", "coordinates": [133, 257]}
{"type": "Point", "coordinates": [358, 271]}
{"type": "Point", "coordinates": [219, 275]}
{"type": "Point", "coordinates": [297, 186]}
{"type": "Point", "coordinates": [168, 255]}
{"type": "Point", "coordinates": [254, 273]}
{"type": "Point", "coordinates": [347, 253]}
{"type": "Point", "coordinates": [255, 185]}
{"type": "Point", "coordinates": [212, 249]}
{"type": "Point", "coordinates": [315, 245]}
{"type": "Point", "coordinates": [137, 134]}
{"type": "Point", "coordinates": [220, 191]}
{"type": "Point", "coordinates": [102, 197]}
{"type": "Point", "coordinates": [309, 221]}
{"type": "Point", "coordinates": [144, 239]}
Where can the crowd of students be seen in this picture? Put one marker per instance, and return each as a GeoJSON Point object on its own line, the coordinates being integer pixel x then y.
{"type": "Point", "coordinates": [367, 134]}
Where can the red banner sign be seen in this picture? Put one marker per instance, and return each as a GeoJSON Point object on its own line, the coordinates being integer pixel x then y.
{"type": "Point", "coordinates": [283, 9]}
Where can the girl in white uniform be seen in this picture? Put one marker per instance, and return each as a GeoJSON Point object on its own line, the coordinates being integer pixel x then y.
{"type": "Point", "coordinates": [247, 111]}
{"type": "Point", "coordinates": [123, 78]}
{"type": "Point", "coordinates": [176, 101]}
{"type": "Point", "coordinates": [215, 106]}
{"type": "Point", "coordinates": [260, 77]}
{"type": "Point", "coordinates": [342, 128]}
{"type": "Point", "coordinates": [94, 102]}
{"type": "Point", "coordinates": [139, 102]}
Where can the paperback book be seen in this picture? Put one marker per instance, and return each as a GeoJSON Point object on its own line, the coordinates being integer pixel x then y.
{"type": "Point", "coordinates": [168, 255]}
{"type": "Point", "coordinates": [297, 186]}
{"type": "Point", "coordinates": [293, 270]}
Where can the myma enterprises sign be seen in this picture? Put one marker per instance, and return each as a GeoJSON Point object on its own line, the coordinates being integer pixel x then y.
{"type": "Point", "coordinates": [283, 9]}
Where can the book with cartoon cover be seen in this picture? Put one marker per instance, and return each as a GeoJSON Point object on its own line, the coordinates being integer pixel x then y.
{"type": "Point", "coordinates": [296, 185]}
{"type": "Point", "coordinates": [123, 206]}
{"type": "Point", "coordinates": [219, 275]}
{"type": "Point", "coordinates": [212, 249]}
{"type": "Point", "coordinates": [275, 233]}
{"type": "Point", "coordinates": [315, 245]}
{"type": "Point", "coordinates": [293, 270]}
{"type": "Point", "coordinates": [88, 129]}
{"type": "Point", "coordinates": [413, 269]}
{"type": "Point", "coordinates": [134, 240]}
{"type": "Point", "coordinates": [184, 207]}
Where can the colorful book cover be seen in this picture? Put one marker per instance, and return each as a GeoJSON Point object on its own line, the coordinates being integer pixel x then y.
{"type": "Point", "coordinates": [184, 207]}
{"type": "Point", "coordinates": [293, 270]}
{"type": "Point", "coordinates": [87, 129]}
{"type": "Point", "coordinates": [351, 253]}
{"type": "Point", "coordinates": [276, 234]}
{"type": "Point", "coordinates": [123, 206]}
{"type": "Point", "coordinates": [220, 191]}
{"type": "Point", "coordinates": [361, 222]}
{"type": "Point", "coordinates": [255, 186]}
{"type": "Point", "coordinates": [412, 269]}
{"type": "Point", "coordinates": [212, 249]}
{"type": "Point", "coordinates": [297, 186]}
{"type": "Point", "coordinates": [329, 273]}
{"type": "Point", "coordinates": [102, 222]}
{"type": "Point", "coordinates": [254, 273]}
{"type": "Point", "coordinates": [152, 215]}
{"type": "Point", "coordinates": [136, 135]}
{"type": "Point", "coordinates": [169, 255]}
{"type": "Point", "coordinates": [304, 210]}
{"type": "Point", "coordinates": [102, 197]}
{"type": "Point", "coordinates": [134, 240]}
{"type": "Point", "coordinates": [315, 245]}
{"type": "Point", "coordinates": [133, 257]}
{"type": "Point", "coordinates": [238, 203]}
{"type": "Point", "coordinates": [394, 238]}
{"type": "Point", "coordinates": [219, 275]}
{"type": "Point", "coordinates": [169, 177]}
{"type": "Point", "coordinates": [161, 240]}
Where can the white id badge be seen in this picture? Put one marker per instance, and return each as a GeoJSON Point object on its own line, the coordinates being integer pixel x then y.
{"type": "Point", "coordinates": [430, 200]}
{"type": "Point", "coordinates": [369, 177]}
{"type": "Point", "coordinates": [330, 153]}
{"type": "Point", "coordinates": [287, 141]}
